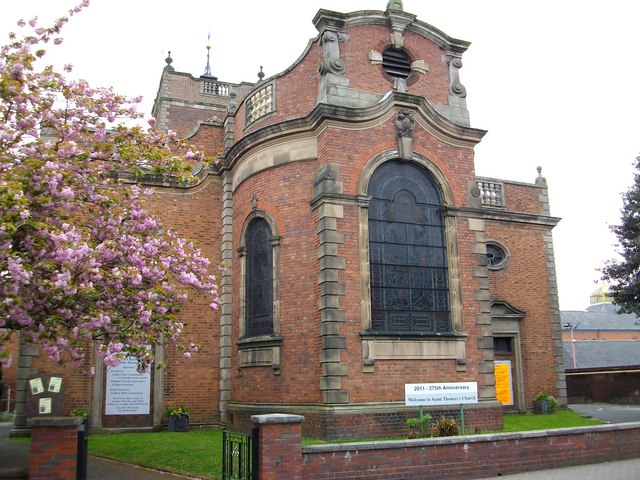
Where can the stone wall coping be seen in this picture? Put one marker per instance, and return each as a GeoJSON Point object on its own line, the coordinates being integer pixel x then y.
{"type": "Point", "coordinates": [54, 421]}
{"type": "Point", "coordinates": [276, 418]}
{"type": "Point", "coordinates": [491, 437]}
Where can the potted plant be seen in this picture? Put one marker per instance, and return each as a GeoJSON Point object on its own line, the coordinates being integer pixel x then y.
{"type": "Point", "coordinates": [177, 418]}
{"type": "Point", "coordinates": [544, 402]}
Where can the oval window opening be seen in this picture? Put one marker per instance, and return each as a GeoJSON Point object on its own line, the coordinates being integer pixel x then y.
{"type": "Point", "coordinates": [396, 63]}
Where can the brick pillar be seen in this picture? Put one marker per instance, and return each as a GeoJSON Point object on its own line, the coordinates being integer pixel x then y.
{"type": "Point", "coordinates": [54, 447]}
{"type": "Point", "coordinates": [279, 446]}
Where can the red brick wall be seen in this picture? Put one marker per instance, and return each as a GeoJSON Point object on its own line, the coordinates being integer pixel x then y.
{"type": "Point", "coordinates": [280, 451]}
{"type": "Point", "coordinates": [297, 89]}
{"type": "Point", "coordinates": [523, 283]}
{"type": "Point", "coordinates": [364, 75]}
{"type": "Point", "coordinates": [471, 457]}
{"type": "Point", "coordinates": [195, 213]}
{"type": "Point", "coordinates": [523, 198]}
{"type": "Point", "coordinates": [284, 193]}
{"type": "Point", "coordinates": [185, 119]}
{"type": "Point", "coordinates": [296, 93]}
{"type": "Point", "coordinates": [53, 452]}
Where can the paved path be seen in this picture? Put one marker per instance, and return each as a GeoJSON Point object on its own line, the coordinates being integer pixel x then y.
{"type": "Point", "coordinates": [105, 469]}
{"type": "Point", "coordinates": [609, 412]}
{"type": "Point", "coordinates": [620, 470]}
{"type": "Point", "coordinates": [14, 462]}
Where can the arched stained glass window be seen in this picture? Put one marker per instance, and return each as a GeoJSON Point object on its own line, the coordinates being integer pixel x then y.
{"type": "Point", "coordinates": [259, 279]}
{"type": "Point", "coordinates": [407, 252]}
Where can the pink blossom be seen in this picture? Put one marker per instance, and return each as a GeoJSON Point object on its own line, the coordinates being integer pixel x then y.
{"type": "Point", "coordinates": [5, 361]}
{"type": "Point", "coordinates": [145, 316]}
{"type": "Point", "coordinates": [99, 247]}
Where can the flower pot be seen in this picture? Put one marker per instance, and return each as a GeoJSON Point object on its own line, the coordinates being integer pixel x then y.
{"type": "Point", "coordinates": [541, 406]}
{"type": "Point", "coordinates": [178, 422]}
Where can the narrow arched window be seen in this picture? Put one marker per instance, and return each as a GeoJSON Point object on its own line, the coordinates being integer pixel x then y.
{"type": "Point", "coordinates": [259, 279]}
{"type": "Point", "coordinates": [407, 252]}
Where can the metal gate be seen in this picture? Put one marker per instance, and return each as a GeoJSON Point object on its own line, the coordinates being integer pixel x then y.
{"type": "Point", "coordinates": [240, 456]}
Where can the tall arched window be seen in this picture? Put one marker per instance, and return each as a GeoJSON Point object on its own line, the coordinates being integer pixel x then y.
{"type": "Point", "coordinates": [259, 279]}
{"type": "Point", "coordinates": [407, 252]}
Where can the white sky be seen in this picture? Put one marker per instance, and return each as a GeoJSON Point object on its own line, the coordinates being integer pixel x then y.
{"type": "Point", "coordinates": [555, 82]}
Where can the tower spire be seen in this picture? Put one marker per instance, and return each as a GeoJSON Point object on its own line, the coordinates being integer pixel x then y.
{"type": "Point", "coordinates": [207, 69]}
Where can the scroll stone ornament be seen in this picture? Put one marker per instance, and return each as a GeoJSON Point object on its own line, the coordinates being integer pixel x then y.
{"type": "Point", "coordinates": [406, 124]}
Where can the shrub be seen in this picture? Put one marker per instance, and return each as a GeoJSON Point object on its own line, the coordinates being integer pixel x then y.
{"type": "Point", "coordinates": [447, 427]}
{"type": "Point", "coordinates": [420, 427]}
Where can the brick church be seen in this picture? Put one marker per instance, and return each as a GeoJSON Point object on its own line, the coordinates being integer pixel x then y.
{"type": "Point", "coordinates": [362, 251]}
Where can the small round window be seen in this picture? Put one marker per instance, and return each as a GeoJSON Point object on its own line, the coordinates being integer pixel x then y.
{"type": "Point", "coordinates": [497, 256]}
{"type": "Point", "coordinates": [396, 63]}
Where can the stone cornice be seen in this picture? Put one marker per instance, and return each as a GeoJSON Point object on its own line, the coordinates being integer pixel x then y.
{"type": "Point", "coordinates": [357, 119]}
{"type": "Point", "coordinates": [489, 213]}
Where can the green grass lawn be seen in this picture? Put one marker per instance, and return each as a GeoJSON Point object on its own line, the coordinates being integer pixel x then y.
{"type": "Point", "coordinates": [560, 419]}
{"type": "Point", "coordinates": [198, 452]}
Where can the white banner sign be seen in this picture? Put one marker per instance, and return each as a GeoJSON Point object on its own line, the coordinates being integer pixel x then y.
{"type": "Point", "coordinates": [128, 392]}
{"type": "Point", "coordinates": [430, 394]}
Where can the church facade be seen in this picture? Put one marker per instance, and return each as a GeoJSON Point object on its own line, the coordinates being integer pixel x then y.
{"type": "Point", "coordinates": [362, 251]}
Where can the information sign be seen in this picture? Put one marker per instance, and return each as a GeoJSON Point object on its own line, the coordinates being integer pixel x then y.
{"type": "Point", "coordinates": [45, 396]}
{"type": "Point", "coordinates": [504, 383]}
{"type": "Point", "coordinates": [128, 392]}
{"type": "Point", "coordinates": [431, 394]}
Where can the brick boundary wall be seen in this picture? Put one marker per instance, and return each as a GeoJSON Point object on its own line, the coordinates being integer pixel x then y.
{"type": "Point", "coordinates": [54, 447]}
{"type": "Point", "coordinates": [280, 444]}
{"type": "Point", "coordinates": [474, 456]}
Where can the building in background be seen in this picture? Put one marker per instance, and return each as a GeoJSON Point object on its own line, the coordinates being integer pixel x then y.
{"type": "Point", "coordinates": [601, 352]}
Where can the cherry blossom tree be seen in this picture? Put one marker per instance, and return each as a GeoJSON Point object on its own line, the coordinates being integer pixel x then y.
{"type": "Point", "coordinates": [82, 262]}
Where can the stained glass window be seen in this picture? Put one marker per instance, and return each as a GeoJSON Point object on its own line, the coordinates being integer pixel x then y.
{"type": "Point", "coordinates": [259, 281]}
{"type": "Point", "coordinates": [407, 252]}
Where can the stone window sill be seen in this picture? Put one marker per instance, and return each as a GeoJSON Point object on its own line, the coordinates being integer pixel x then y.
{"type": "Point", "coordinates": [263, 351]}
{"type": "Point", "coordinates": [380, 347]}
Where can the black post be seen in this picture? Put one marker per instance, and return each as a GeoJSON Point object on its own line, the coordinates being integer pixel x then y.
{"type": "Point", "coordinates": [83, 450]}
{"type": "Point", "coordinates": [255, 453]}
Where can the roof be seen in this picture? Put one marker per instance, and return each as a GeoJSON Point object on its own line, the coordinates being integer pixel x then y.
{"type": "Point", "coordinates": [601, 316]}
{"type": "Point", "coordinates": [602, 353]}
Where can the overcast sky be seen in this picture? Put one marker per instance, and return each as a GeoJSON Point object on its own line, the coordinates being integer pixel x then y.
{"type": "Point", "coordinates": [555, 83]}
